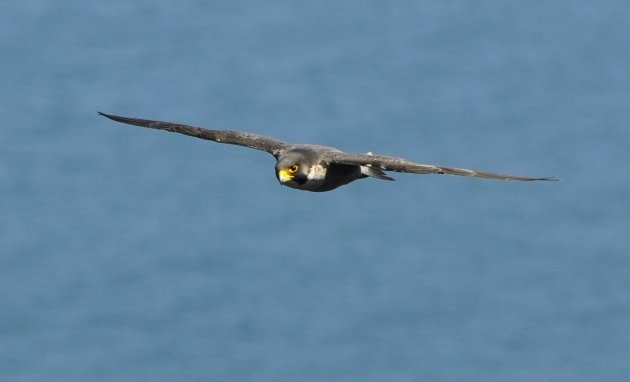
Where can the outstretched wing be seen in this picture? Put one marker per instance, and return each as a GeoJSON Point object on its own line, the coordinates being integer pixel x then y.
{"type": "Point", "coordinates": [254, 141]}
{"type": "Point", "coordinates": [387, 163]}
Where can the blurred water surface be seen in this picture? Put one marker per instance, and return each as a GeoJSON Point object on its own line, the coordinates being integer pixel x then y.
{"type": "Point", "coordinates": [129, 254]}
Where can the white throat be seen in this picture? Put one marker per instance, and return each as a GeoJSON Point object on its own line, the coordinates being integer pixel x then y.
{"type": "Point", "coordinates": [317, 172]}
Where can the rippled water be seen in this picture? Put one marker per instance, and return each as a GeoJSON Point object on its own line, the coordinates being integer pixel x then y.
{"type": "Point", "coordinates": [129, 254]}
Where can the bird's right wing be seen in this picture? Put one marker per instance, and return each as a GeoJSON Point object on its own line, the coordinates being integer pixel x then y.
{"type": "Point", "coordinates": [387, 163]}
{"type": "Point", "coordinates": [254, 141]}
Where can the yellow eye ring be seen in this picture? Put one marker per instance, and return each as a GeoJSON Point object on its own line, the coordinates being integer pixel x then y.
{"type": "Point", "coordinates": [293, 169]}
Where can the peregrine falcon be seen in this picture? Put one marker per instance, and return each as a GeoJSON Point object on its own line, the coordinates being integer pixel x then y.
{"type": "Point", "coordinates": [313, 167]}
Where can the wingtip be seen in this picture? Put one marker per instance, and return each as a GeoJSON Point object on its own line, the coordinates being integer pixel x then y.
{"type": "Point", "coordinates": [110, 116]}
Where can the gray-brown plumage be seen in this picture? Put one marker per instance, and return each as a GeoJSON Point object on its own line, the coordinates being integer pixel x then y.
{"type": "Point", "coordinates": [313, 167]}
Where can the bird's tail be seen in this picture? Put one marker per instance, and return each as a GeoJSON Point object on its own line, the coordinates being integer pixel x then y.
{"type": "Point", "coordinates": [374, 172]}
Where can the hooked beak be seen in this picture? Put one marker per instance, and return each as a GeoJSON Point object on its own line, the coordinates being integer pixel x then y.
{"type": "Point", "coordinates": [284, 176]}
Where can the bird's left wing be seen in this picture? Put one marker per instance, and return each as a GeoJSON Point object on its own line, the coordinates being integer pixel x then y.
{"type": "Point", "coordinates": [254, 141]}
{"type": "Point", "coordinates": [388, 163]}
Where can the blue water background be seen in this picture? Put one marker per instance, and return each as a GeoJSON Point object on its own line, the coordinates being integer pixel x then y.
{"type": "Point", "coordinates": [130, 254]}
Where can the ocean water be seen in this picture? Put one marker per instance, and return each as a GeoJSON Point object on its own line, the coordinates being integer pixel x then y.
{"type": "Point", "coordinates": [130, 254]}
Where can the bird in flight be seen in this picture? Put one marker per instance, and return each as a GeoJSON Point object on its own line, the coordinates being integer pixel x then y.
{"type": "Point", "coordinates": [313, 167]}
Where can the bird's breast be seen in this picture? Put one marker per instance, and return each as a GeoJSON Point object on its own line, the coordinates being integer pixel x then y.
{"type": "Point", "coordinates": [317, 173]}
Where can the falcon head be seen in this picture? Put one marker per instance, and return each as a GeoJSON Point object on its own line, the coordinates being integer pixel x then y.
{"type": "Point", "coordinates": [292, 169]}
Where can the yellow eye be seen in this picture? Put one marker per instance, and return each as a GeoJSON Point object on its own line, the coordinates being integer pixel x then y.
{"type": "Point", "coordinates": [293, 169]}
